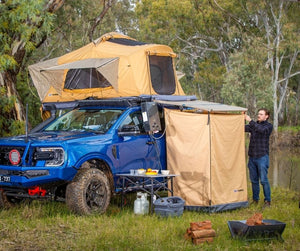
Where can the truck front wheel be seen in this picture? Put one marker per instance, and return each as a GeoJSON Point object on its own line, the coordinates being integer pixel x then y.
{"type": "Point", "coordinates": [9, 201]}
{"type": "Point", "coordinates": [89, 192]}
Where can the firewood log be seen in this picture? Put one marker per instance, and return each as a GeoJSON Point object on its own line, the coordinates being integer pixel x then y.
{"type": "Point", "coordinates": [256, 219]}
{"type": "Point", "coordinates": [187, 236]}
{"type": "Point", "coordinates": [203, 233]}
{"type": "Point", "coordinates": [203, 240]}
{"type": "Point", "coordinates": [201, 225]}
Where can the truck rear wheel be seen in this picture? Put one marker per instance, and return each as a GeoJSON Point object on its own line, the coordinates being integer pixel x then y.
{"type": "Point", "coordinates": [89, 192]}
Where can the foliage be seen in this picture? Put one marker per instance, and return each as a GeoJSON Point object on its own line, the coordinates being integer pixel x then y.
{"type": "Point", "coordinates": [248, 83]}
{"type": "Point", "coordinates": [294, 129]}
{"type": "Point", "coordinates": [203, 33]}
{"type": "Point", "coordinates": [22, 23]}
{"type": "Point", "coordinates": [222, 46]}
{"type": "Point", "coordinates": [8, 125]}
{"type": "Point", "coordinates": [29, 96]}
{"type": "Point", "coordinates": [49, 226]}
{"type": "Point", "coordinates": [78, 16]}
{"type": "Point", "coordinates": [280, 35]}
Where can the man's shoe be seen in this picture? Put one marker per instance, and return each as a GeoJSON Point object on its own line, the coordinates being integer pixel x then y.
{"type": "Point", "coordinates": [267, 204]}
{"type": "Point", "coordinates": [254, 202]}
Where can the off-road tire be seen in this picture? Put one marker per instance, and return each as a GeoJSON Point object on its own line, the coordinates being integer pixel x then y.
{"type": "Point", "coordinates": [9, 202]}
{"type": "Point", "coordinates": [4, 203]}
{"type": "Point", "coordinates": [89, 192]}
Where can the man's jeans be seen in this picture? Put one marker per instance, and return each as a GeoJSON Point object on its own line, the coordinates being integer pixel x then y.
{"type": "Point", "coordinates": [258, 170]}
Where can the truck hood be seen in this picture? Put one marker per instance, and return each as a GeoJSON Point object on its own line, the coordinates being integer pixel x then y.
{"type": "Point", "coordinates": [48, 136]}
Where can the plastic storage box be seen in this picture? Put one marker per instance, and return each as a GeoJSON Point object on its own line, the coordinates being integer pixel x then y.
{"type": "Point", "coordinates": [271, 230]}
{"type": "Point", "coordinates": [169, 206]}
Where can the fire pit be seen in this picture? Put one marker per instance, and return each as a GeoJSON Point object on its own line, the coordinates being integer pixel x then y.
{"type": "Point", "coordinates": [269, 229]}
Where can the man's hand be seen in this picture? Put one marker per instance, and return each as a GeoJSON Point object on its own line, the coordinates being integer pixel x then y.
{"type": "Point", "coordinates": [247, 118]}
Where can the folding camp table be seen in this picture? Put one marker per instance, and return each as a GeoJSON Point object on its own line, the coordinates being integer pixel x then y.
{"type": "Point", "coordinates": [150, 184]}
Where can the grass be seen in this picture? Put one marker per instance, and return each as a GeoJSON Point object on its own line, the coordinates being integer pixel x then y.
{"type": "Point", "coordinates": [50, 226]}
{"type": "Point", "coordinates": [293, 129]}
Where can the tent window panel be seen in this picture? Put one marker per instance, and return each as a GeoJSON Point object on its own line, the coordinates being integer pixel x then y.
{"type": "Point", "coordinates": [162, 75]}
{"type": "Point", "coordinates": [85, 79]}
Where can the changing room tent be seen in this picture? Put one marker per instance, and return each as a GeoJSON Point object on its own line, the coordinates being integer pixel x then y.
{"type": "Point", "coordinates": [112, 66]}
{"type": "Point", "coordinates": [206, 147]}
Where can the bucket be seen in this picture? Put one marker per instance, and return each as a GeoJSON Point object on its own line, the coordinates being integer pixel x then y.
{"type": "Point", "coordinates": [169, 206]}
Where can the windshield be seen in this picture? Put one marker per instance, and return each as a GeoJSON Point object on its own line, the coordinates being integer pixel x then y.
{"type": "Point", "coordinates": [96, 120]}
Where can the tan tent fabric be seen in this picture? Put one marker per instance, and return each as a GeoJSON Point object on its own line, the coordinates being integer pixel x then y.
{"type": "Point", "coordinates": [228, 170]}
{"type": "Point", "coordinates": [133, 75]}
{"type": "Point", "coordinates": [188, 152]}
{"type": "Point", "coordinates": [208, 153]}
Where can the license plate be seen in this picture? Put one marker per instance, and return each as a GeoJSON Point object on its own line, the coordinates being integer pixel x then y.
{"type": "Point", "coordinates": [4, 178]}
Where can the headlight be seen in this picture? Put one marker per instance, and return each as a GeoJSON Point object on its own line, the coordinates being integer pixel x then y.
{"type": "Point", "coordinates": [54, 156]}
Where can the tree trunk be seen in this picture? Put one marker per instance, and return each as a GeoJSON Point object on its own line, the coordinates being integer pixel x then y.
{"type": "Point", "coordinates": [274, 160]}
{"type": "Point", "coordinates": [297, 102]}
{"type": "Point", "coordinates": [8, 80]}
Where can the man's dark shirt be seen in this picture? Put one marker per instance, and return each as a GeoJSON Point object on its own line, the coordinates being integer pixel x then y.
{"type": "Point", "coordinates": [259, 139]}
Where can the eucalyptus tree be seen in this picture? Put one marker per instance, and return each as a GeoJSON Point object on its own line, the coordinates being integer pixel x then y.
{"type": "Point", "coordinates": [282, 38]}
{"type": "Point", "coordinates": [23, 26]}
{"type": "Point", "coordinates": [34, 30]}
{"type": "Point", "coordinates": [247, 82]}
{"type": "Point", "coordinates": [274, 38]}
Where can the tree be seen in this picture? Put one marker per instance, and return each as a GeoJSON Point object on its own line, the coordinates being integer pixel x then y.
{"type": "Point", "coordinates": [202, 32]}
{"type": "Point", "coordinates": [23, 27]}
{"type": "Point", "coordinates": [29, 32]}
{"type": "Point", "coordinates": [247, 82]}
{"type": "Point", "coordinates": [79, 22]}
{"type": "Point", "coordinates": [281, 38]}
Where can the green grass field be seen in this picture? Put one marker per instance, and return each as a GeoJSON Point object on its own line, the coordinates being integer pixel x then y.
{"type": "Point", "coordinates": [44, 225]}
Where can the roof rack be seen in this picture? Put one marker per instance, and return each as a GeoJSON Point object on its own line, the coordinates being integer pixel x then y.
{"type": "Point", "coordinates": [112, 102]}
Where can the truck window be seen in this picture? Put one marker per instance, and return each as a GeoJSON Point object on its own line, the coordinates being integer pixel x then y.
{"type": "Point", "coordinates": [98, 120]}
{"type": "Point", "coordinates": [136, 119]}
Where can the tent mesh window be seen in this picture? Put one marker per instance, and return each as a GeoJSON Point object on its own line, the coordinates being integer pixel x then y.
{"type": "Point", "coordinates": [85, 79]}
{"type": "Point", "coordinates": [162, 75]}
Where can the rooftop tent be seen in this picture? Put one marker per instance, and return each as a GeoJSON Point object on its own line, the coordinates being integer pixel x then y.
{"type": "Point", "coordinates": [112, 66]}
{"type": "Point", "coordinates": [205, 146]}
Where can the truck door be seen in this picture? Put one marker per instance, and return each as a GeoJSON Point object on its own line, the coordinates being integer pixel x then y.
{"type": "Point", "coordinates": [136, 148]}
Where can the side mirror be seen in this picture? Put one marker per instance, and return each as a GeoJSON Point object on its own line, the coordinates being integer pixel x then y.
{"type": "Point", "coordinates": [128, 130]}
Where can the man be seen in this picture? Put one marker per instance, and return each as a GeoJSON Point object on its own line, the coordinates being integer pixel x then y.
{"type": "Point", "coordinates": [259, 154]}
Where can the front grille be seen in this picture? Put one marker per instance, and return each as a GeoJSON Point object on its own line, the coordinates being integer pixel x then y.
{"type": "Point", "coordinates": [4, 154]}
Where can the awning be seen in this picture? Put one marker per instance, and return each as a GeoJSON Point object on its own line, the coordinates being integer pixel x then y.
{"type": "Point", "coordinates": [203, 105]}
{"type": "Point", "coordinates": [108, 67]}
{"type": "Point", "coordinates": [50, 73]}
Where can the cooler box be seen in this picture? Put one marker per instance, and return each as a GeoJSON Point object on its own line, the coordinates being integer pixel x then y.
{"type": "Point", "coordinates": [169, 206]}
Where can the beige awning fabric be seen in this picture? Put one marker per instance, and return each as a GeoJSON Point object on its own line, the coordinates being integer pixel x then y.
{"type": "Point", "coordinates": [50, 73]}
{"type": "Point", "coordinates": [108, 67]}
{"type": "Point", "coordinates": [204, 106]}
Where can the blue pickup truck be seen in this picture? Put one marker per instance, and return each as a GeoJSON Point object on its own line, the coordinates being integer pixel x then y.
{"type": "Point", "coordinates": [75, 156]}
